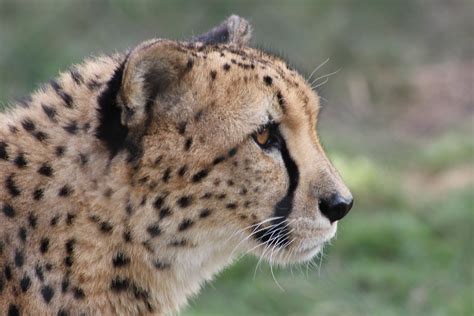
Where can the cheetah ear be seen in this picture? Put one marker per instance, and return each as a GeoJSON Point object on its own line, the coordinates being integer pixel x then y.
{"type": "Point", "coordinates": [234, 30]}
{"type": "Point", "coordinates": [152, 69]}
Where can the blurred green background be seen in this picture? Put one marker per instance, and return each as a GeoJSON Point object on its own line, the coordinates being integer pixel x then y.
{"type": "Point", "coordinates": [398, 121]}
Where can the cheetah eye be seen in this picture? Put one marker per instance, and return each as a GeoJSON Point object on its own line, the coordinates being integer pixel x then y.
{"type": "Point", "coordinates": [267, 136]}
{"type": "Point", "coordinates": [262, 136]}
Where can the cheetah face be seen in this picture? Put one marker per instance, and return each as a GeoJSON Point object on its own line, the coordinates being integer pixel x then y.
{"type": "Point", "coordinates": [227, 135]}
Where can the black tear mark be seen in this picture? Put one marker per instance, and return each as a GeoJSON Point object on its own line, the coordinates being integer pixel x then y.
{"type": "Point", "coordinates": [278, 234]}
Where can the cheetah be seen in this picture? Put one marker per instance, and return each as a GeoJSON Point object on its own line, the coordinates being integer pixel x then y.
{"type": "Point", "coordinates": [132, 179]}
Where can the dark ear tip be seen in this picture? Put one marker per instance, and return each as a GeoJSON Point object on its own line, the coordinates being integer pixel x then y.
{"type": "Point", "coordinates": [234, 30]}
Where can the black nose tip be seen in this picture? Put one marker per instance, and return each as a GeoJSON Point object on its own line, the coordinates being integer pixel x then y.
{"type": "Point", "coordinates": [335, 207]}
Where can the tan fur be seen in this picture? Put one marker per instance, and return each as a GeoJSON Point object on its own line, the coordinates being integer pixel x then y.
{"type": "Point", "coordinates": [194, 120]}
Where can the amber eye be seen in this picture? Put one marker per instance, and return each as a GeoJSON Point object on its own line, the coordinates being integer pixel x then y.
{"type": "Point", "coordinates": [262, 136]}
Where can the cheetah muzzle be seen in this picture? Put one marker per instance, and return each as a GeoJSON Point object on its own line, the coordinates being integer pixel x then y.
{"type": "Point", "coordinates": [131, 179]}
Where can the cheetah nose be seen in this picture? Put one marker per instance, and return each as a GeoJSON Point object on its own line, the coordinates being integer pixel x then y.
{"type": "Point", "coordinates": [336, 206]}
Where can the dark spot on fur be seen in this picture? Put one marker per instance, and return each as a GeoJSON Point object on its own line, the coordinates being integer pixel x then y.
{"type": "Point", "coordinates": [206, 196]}
{"type": "Point", "coordinates": [41, 136]}
{"type": "Point", "coordinates": [71, 128]}
{"type": "Point", "coordinates": [39, 273]}
{"type": "Point", "coordinates": [65, 191]}
{"type": "Point", "coordinates": [38, 194]}
{"type": "Point", "coordinates": [69, 246]}
{"type": "Point", "coordinates": [11, 186]}
{"type": "Point", "coordinates": [213, 74]}
{"type": "Point", "coordinates": [182, 171]}
{"type": "Point", "coordinates": [64, 284]}
{"type": "Point", "coordinates": [47, 292]}
{"type": "Point", "coordinates": [54, 220]}
{"type": "Point", "coordinates": [49, 111]}
{"type": "Point", "coordinates": [164, 212]}
{"type": "Point", "coordinates": [45, 170]}
{"type": "Point", "coordinates": [22, 233]}
{"type": "Point", "coordinates": [153, 230]}
{"type": "Point", "coordinates": [159, 202]}
{"type": "Point", "coordinates": [70, 219]}
{"type": "Point", "coordinates": [20, 161]}
{"type": "Point", "coordinates": [226, 67]}
{"type": "Point", "coordinates": [231, 206]}
{"type": "Point", "coordinates": [232, 152]}
{"type": "Point", "coordinates": [25, 283]}
{"type": "Point", "coordinates": [8, 210]}
{"type": "Point", "coordinates": [188, 143]}
{"type": "Point", "coordinates": [28, 125]}
{"type": "Point", "coordinates": [185, 201]}
{"type": "Point", "coordinates": [13, 310]}
{"type": "Point", "coordinates": [63, 312]}
{"type": "Point", "coordinates": [218, 160]}
{"type": "Point", "coordinates": [189, 64]}
{"type": "Point", "coordinates": [76, 76]}
{"type": "Point", "coordinates": [67, 99]}
{"type": "Point", "coordinates": [185, 224]}
{"type": "Point", "coordinates": [68, 261]}
{"type": "Point", "coordinates": [83, 159]}
{"type": "Point", "coordinates": [221, 196]}
{"type": "Point", "coordinates": [32, 220]}
{"type": "Point", "coordinates": [119, 284]}
{"type": "Point", "coordinates": [59, 151]}
{"type": "Point", "coordinates": [78, 293]}
{"type": "Point", "coordinates": [182, 127]}
{"type": "Point", "coordinates": [127, 236]}
{"type": "Point", "coordinates": [268, 80]}
{"type": "Point", "coordinates": [44, 245]}
{"type": "Point", "coordinates": [120, 260]}
{"type": "Point", "coordinates": [3, 151]}
{"type": "Point", "coordinates": [230, 183]}
{"type": "Point", "coordinates": [105, 227]}
{"type": "Point", "coordinates": [7, 270]}
{"type": "Point", "coordinates": [197, 177]}
{"type": "Point", "coordinates": [166, 175]}
{"type": "Point", "coordinates": [205, 213]}
{"type": "Point", "coordinates": [159, 265]}
{"type": "Point", "coordinates": [178, 243]}
{"type": "Point", "coordinates": [281, 100]}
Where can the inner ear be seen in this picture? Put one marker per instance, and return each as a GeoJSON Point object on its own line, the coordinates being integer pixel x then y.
{"type": "Point", "coordinates": [234, 30]}
{"type": "Point", "coordinates": [150, 71]}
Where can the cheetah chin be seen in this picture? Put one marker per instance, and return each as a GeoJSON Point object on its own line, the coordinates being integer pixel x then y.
{"type": "Point", "coordinates": [131, 179]}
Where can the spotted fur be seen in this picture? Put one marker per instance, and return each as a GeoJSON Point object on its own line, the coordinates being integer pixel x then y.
{"type": "Point", "coordinates": [131, 179]}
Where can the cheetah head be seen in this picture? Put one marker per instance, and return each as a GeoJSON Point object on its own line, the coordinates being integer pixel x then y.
{"type": "Point", "coordinates": [224, 137]}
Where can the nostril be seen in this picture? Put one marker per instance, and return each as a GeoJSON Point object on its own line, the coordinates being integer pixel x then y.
{"type": "Point", "coordinates": [335, 207]}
